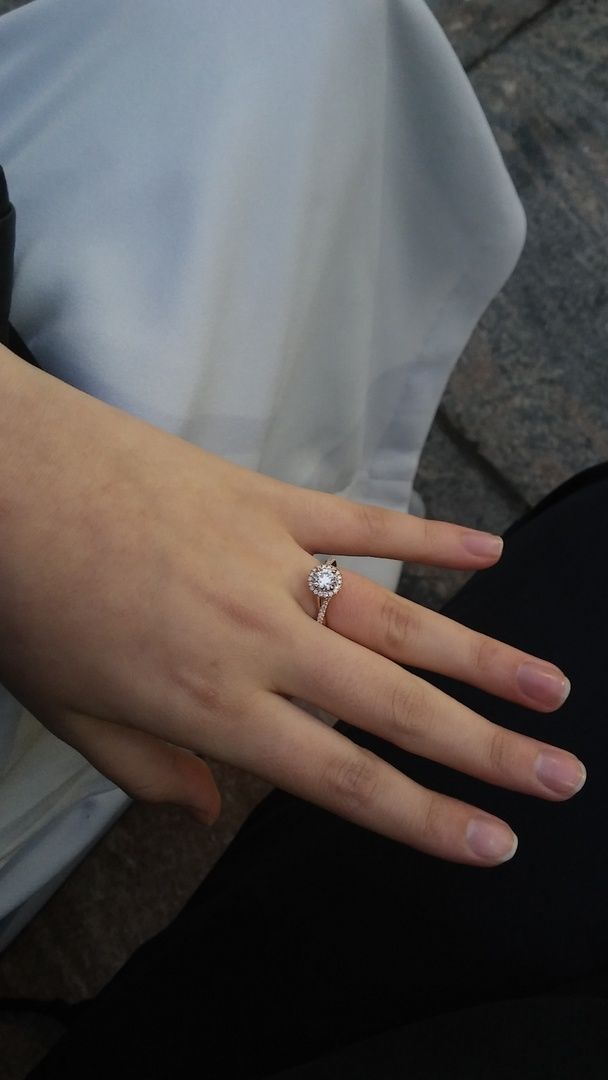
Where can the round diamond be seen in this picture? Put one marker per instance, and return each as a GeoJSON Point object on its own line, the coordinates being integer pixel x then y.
{"type": "Point", "coordinates": [325, 581]}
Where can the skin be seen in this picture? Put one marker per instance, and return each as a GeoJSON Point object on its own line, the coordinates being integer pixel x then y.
{"type": "Point", "coordinates": [155, 609]}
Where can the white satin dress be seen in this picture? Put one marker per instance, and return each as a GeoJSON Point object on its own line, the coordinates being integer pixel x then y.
{"type": "Point", "coordinates": [268, 226]}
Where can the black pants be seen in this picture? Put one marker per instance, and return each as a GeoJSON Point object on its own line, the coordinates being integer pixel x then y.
{"type": "Point", "coordinates": [314, 938]}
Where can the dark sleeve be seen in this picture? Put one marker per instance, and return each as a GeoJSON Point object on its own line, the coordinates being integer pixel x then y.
{"type": "Point", "coordinates": [7, 248]}
{"type": "Point", "coordinates": [8, 334]}
{"type": "Point", "coordinates": [558, 1036]}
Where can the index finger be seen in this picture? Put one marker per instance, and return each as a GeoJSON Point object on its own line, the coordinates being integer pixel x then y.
{"type": "Point", "coordinates": [322, 522]}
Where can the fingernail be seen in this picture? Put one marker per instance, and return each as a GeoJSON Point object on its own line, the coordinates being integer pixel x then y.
{"type": "Point", "coordinates": [563, 774]}
{"type": "Point", "coordinates": [490, 840]}
{"type": "Point", "coordinates": [543, 685]}
{"type": "Point", "coordinates": [483, 544]}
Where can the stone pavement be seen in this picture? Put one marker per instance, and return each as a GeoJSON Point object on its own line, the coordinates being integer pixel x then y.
{"type": "Point", "coordinates": [527, 404]}
{"type": "Point", "coordinates": [526, 407]}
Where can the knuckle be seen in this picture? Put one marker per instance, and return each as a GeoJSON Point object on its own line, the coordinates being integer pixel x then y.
{"type": "Point", "coordinates": [408, 714]}
{"type": "Point", "coordinates": [354, 781]}
{"type": "Point", "coordinates": [399, 621]}
{"type": "Point", "coordinates": [433, 825]}
{"type": "Point", "coordinates": [499, 754]}
{"type": "Point", "coordinates": [373, 521]}
{"type": "Point", "coordinates": [485, 652]}
{"type": "Point", "coordinates": [200, 685]}
{"type": "Point", "coordinates": [427, 531]}
{"type": "Point", "coordinates": [245, 616]}
{"type": "Point", "coordinates": [432, 533]}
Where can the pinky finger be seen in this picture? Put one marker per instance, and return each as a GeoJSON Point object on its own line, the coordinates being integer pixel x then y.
{"type": "Point", "coordinates": [147, 768]}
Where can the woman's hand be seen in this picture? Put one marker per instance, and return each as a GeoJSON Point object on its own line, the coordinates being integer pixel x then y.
{"type": "Point", "coordinates": [155, 602]}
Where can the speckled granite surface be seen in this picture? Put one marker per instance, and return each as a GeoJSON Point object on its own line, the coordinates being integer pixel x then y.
{"type": "Point", "coordinates": [456, 485]}
{"type": "Point", "coordinates": [531, 391]}
{"type": "Point", "coordinates": [9, 5]}
{"type": "Point", "coordinates": [478, 27]}
{"type": "Point", "coordinates": [526, 407]}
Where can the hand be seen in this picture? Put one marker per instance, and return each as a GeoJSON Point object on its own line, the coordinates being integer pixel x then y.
{"type": "Point", "coordinates": [156, 607]}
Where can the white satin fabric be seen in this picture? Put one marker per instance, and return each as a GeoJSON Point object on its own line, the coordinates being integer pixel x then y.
{"type": "Point", "coordinates": [268, 226]}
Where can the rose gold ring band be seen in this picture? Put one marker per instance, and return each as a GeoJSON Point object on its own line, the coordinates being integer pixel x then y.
{"type": "Point", "coordinates": [325, 580]}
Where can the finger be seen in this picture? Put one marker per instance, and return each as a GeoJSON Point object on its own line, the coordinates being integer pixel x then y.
{"type": "Point", "coordinates": [376, 695]}
{"type": "Point", "coordinates": [407, 633]}
{"type": "Point", "coordinates": [145, 767]}
{"type": "Point", "coordinates": [296, 752]}
{"type": "Point", "coordinates": [322, 522]}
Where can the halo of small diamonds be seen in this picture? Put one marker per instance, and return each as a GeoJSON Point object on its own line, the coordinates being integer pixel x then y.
{"type": "Point", "coordinates": [325, 581]}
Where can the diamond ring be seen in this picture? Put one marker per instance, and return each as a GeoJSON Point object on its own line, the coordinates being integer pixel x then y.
{"type": "Point", "coordinates": [325, 581]}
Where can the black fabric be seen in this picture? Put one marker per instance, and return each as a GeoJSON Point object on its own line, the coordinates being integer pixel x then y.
{"type": "Point", "coordinates": [542, 1038]}
{"type": "Point", "coordinates": [7, 247]}
{"type": "Point", "coordinates": [8, 334]}
{"type": "Point", "coordinates": [313, 938]}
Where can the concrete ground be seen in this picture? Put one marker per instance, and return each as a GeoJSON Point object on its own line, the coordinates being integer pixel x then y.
{"type": "Point", "coordinates": [526, 407]}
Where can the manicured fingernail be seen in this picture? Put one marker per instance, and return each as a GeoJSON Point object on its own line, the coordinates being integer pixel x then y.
{"type": "Point", "coordinates": [483, 544]}
{"type": "Point", "coordinates": [542, 685]}
{"type": "Point", "coordinates": [562, 773]}
{"type": "Point", "coordinates": [490, 840]}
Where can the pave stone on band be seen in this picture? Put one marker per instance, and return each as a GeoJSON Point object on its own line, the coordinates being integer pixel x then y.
{"type": "Point", "coordinates": [325, 581]}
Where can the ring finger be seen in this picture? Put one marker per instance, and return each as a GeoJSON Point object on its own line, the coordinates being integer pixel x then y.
{"type": "Point", "coordinates": [410, 634]}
